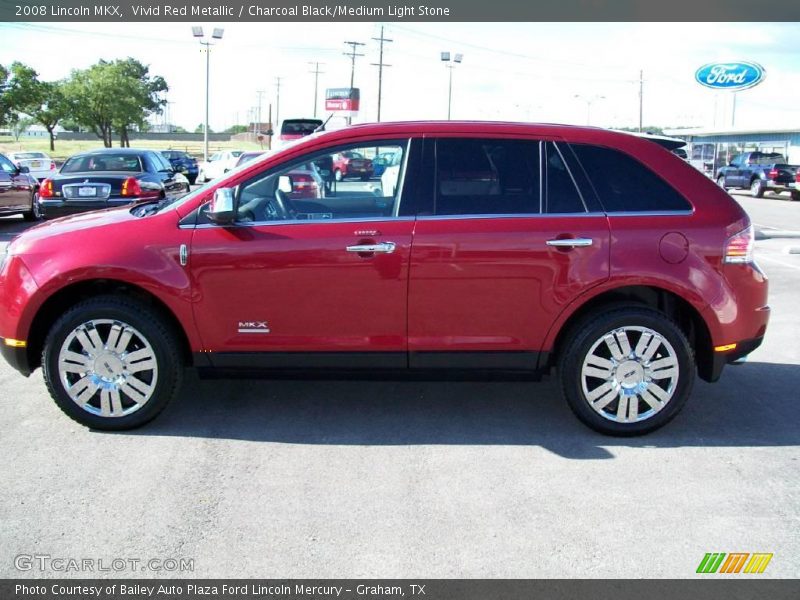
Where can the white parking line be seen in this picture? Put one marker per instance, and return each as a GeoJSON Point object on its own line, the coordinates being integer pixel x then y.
{"type": "Point", "coordinates": [780, 262]}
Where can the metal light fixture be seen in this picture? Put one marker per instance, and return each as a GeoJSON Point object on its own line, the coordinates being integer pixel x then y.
{"type": "Point", "coordinates": [216, 34]}
{"type": "Point", "coordinates": [457, 60]}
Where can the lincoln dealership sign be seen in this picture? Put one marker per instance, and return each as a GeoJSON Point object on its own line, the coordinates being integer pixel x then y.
{"type": "Point", "coordinates": [730, 75]}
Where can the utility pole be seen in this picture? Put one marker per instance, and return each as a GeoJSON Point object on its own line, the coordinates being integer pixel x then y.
{"type": "Point", "coordinates": [641, 97]}
{"type": "Point", "coordinates": [259, 93]}
{"type": "Point", "coordinates": [380, 64]}
{"type": "Point", "coordinates": [278, 103]}
{"type": "Point", "coordinates": [316, 73]}
{"type": "Point", "coordinates": [353, 54]}
{"type": "Point", "coordinates": [269, 137]}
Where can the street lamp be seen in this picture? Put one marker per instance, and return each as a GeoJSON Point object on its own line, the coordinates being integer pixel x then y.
{"type": "Point", "coordinates": [589, 101]}
{"type": "Point", "coordinates": [215, 35]}
{"type": "Point", "coordinates": [457, 58]}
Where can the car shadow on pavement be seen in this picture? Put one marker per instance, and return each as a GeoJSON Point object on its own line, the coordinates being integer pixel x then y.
{"type": "Point", "coordinates": [753, 405]}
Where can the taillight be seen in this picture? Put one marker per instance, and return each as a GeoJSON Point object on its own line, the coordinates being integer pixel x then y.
{"type": "Point", "coordinates": [797, 176]}
{"type": "Point", "coordinates": [773, 174]}
{"type": "Point", "coordinates": [739, 248]}
{"type": "Point", "coordinates": [46, 189]}
{"type": "Point", "coordinates": [303, 183]}
{"type": "Point", "coordinates": [131, 187]}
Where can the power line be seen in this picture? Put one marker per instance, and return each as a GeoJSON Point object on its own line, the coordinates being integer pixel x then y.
{"type": "Point", "coordinates": [380, 64]}
{"type": "Point", "coordinates": [316, 73]}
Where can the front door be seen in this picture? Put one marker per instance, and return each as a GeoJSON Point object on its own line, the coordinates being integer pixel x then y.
{"type": "Point", "coordinates": [314, 273]}
{"type": "Point", "coordinates": [508, 242]}
{"type": "Point", "coordinates": [15, 188]}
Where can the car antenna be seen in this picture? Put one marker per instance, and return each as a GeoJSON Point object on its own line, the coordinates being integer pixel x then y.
{"type": "Point", "coordinates": [322, 127]}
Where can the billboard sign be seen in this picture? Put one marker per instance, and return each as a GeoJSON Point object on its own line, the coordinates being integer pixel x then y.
{"type": "Point", "coordinates": [343, 100]}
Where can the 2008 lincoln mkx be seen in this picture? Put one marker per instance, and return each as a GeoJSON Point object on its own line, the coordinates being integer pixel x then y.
{"type": "Point", "coordinates": [472, 247]}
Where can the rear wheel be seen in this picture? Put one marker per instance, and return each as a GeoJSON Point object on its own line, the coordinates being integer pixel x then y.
{"type": "Point", "coordinates": [626, 372]}
{"type": "Point", "coordinates": [757, 188]}
{"type": "Point", "coordinates": [112, 363]}
{"type": "Point", "coordinates": [35, 213]}
{"type": "Point", "coordinates": [796, 196]}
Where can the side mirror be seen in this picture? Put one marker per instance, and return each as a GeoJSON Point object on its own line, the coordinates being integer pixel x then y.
{"type": "Point", "coordinates": [221, 210]}
{"type": "Point", "coordinates": [24, 169]}
{"type": "Point", "coordinates": [285, 184]}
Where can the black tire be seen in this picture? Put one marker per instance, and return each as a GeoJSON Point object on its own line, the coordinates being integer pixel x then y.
{"type": "Point", "coordinates": [590, 334]}
{"type": "Point", "coordinates": [34, 214]}
{"type": "Point", "coordinates": [192, 180]}
{"type": "Point", "coordinates": [795, 195]}
{"type": "Point", "coordinates": [721, 182]}
{"type": "Point", "coordinates": [757, 188]}
{"type": "Point", "coordinates": [366, 177]}
{"type": "Point", "coordinates": [148, 325]}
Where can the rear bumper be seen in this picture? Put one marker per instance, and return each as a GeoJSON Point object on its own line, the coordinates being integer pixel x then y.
{"type": "Point", "coordinates": [52, 209]}
{"type": "Point", "coordinates": [16, 357]}
{"type": "Point", "coordinates": [742, 349]}
{"type": "Point", "coordinates": [774, 186]}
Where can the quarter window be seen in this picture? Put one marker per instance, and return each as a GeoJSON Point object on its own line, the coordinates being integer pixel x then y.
{"type": "Point", "coordinates": [487, 176]}
{"type": "Point", "coordinates": [623, 184]}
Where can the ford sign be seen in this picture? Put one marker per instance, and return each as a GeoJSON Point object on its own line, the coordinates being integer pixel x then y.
{"type": "Point", "coordinates": [730, 75]}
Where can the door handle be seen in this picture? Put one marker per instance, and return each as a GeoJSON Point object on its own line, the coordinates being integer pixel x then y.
{"type": "Point", "coordinates": [570, 242]}
{"type": "Point", "coordinates": [385, 247]}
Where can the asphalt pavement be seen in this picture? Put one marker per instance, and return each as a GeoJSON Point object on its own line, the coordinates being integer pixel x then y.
{"type": "Point", "coordinates": [386, 479]}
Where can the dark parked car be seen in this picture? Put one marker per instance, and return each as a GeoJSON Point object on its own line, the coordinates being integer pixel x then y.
{"type": "Point", "coordinates": [183, 163]}
{"type": "Point", "coordinates": [109, 177]}
{"type": "Point", "coordinates": [760, 172]}
{"type": "Point", "coordinates": [19, 191]}
{"type": "Point", "coordinates": [498, 247]}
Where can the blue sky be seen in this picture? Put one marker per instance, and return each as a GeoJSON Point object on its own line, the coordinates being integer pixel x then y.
{"type": "Point", "coordinates": [515, 71]}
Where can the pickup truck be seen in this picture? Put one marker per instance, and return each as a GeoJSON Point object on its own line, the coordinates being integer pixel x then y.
{"type": "Point", "coordinates": [760, 172]}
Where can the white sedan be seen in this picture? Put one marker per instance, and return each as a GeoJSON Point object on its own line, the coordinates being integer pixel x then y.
{"type": "Point", "coordinates": [218, 164]}
{"type": "Point", "coordinates": [39, 164]}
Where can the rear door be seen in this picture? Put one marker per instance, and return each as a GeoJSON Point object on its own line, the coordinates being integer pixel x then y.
{"type": "Point", "coordinates": [505, 241]}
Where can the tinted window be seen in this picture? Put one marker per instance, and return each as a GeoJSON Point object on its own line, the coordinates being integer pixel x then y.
{"type": "Point", "coordinates": [300, 126]}
{"type": "Point", "coordinates": [561, 194]}
{"type": "Point", "coordinates": [103, 162]}
{"type": "Point", "coordinates": [486, 176]}
{"type": "Point", "coordinates": [626, 185]}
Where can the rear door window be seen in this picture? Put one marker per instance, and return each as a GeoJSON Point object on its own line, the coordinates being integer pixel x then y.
{"type": "Point", "coordinates": [487, 177]}
{"type": "Point", "coordinates": [623, 184]}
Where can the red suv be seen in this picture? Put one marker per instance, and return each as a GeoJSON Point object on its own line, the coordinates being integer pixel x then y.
{"type": "Point", "coordinates": [499, 247]}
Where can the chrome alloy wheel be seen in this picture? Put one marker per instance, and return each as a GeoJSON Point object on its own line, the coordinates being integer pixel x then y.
{"type": "Point", "coordinates": [108, 368]}
{"type": "Point", "coordinates": [629, 374]}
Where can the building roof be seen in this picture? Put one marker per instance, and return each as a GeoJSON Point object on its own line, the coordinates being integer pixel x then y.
{"type": "Point", "coordinates": [709, 131]}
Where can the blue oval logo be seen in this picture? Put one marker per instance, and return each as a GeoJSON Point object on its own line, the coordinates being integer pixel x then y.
{"type": "Point", "coordinates": [730, 75]}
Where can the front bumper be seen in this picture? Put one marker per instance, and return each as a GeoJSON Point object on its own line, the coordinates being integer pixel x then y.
{"type": "Point", "coordinates": [16, 357]}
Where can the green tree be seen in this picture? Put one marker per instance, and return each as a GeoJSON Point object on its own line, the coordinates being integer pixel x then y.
{"type": "Point", "coordinates": [234, 129]}
{"type": "Point", "coordinates": [43, 101]}
{"type": "Point", "coordinates": [200, 127]}
{"type": "Point", "coordinates": [113, 97]}
{"type": "Point", "coordinates": [19, 125]}
{"type": "Point", "coordinates": [5, 106]}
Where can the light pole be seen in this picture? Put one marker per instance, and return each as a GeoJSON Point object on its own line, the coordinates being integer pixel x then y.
{"type": "Point", "coordinates": [457, 60]}
{"type": "Point", "coordinates": [215, 35]}
{"type": "Point", "coordinates": [589, 101]}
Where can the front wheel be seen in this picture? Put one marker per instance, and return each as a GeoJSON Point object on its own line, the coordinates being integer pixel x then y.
{"type": "Point", "coordinates": [757, 188]}
{"type": "Point", "coordinates": [721, 182]}
{"type": "Point", "coordinates": [627, 372]}
{"type": "Point", "coordinates": [112, 363]}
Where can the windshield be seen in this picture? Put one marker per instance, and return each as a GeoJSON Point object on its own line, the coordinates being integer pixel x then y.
{"type": "Point", "coordinates": [129, 163]}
